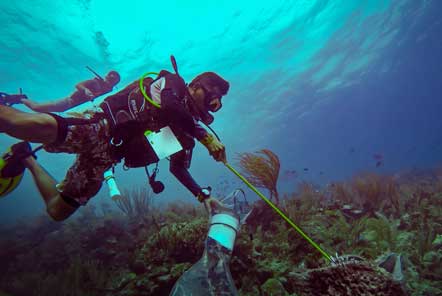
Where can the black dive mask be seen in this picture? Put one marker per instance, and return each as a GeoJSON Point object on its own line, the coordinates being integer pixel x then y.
{"type": "Point", "coordinates": [214, 104]}
{"type": "Point", "coordinates": [210, 105]}
{"type": "Point", "coordinates": [209, 99]}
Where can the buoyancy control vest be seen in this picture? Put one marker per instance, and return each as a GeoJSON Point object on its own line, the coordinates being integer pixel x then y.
{"type": "Point", "coordinates": [130, 115]}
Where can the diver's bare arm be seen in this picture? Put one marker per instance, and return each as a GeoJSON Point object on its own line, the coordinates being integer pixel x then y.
{"type": "Point", "coordinates": [54, 106]}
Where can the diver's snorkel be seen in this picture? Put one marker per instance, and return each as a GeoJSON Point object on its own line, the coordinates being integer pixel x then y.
{"type": "Point", "coordinates": [95, 73]}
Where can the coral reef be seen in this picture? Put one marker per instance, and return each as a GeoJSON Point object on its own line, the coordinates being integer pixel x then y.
{"type": "Point", "coordinates": [143, 251]}
{"type": "Point", "coordinates": [347, 279]}
{"type": "Point", "coordinates": [135, 204]}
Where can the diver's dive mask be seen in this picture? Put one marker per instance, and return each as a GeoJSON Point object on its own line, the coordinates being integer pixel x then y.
{"type": "Point", "coordinates": [212, 99]}
{"type": "Point", "coordinates": [212, 103]}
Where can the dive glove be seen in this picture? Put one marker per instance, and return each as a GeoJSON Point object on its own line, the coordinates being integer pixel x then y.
{"type": "Point", "coordinates": [215, 147]}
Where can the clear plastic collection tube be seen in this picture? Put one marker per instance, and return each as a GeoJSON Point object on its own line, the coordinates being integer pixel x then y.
{"type": "Point", "coordinates": [211, 274]}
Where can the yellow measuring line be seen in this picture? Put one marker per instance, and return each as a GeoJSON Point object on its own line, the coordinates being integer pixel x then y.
{"type": "Point", "coordinates": [280, 213]}
{"type": "Point", "coordinates": [287, 219]}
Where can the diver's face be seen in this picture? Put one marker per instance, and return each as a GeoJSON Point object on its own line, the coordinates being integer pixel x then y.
{"type": "Point", "coordinates": [199, 97]}
{"type": "Point", "coordinates": [212, 99]}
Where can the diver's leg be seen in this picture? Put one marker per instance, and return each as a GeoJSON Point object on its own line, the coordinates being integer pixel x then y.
{"type": "Point", "coordinates": [31, 127]}
{"type": "Point", "coordinates": [56, 206]}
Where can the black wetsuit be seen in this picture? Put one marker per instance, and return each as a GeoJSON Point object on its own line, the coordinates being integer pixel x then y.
{"type": "Point", "coordinates": [180, 163]}
{"type": "Point", "coordinates": [169, 90]}
{"type": "Point", "coordinates": [185, 127]}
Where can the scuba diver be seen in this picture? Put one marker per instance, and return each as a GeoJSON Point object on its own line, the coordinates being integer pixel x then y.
{"type": "Point", "coordinates": [85, 91]}
{"type": "Point", "coordinates": [118, 132]}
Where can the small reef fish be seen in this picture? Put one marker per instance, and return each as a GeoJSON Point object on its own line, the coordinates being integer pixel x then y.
{"type": "Point", "coordinates": [378, 156]}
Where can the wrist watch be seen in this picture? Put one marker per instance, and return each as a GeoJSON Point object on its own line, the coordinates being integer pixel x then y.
{"type": "Point", "coordinates": [204, 194]}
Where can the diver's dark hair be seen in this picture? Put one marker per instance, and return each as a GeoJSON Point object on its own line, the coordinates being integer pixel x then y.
{"type": "Point", "coordinates": [114, 76]}
{"type": "Point", "coordinates": [211, 80]}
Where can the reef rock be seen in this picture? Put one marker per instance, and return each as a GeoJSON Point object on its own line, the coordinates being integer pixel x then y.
{"type": "Point", "coordinates": [359, 278]}
{"type": "Point", "coordinates": [273, 287]}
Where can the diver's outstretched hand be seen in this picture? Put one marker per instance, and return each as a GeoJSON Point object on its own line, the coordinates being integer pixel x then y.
{"type": "Point", "coordinates": [213, 205]}
{"type": "Point", "coordinates": [9, 100]}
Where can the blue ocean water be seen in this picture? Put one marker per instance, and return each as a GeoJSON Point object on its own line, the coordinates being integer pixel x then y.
{"type": "Point", "coordinates": [323, 84]}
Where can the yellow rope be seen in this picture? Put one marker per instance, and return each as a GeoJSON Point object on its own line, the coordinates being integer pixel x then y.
{"type": "Point", "coordinates": [280, 213]}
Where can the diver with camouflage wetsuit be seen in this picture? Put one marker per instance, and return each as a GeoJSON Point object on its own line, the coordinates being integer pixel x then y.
{"type": "Point", "coordinates": [102, 139]}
